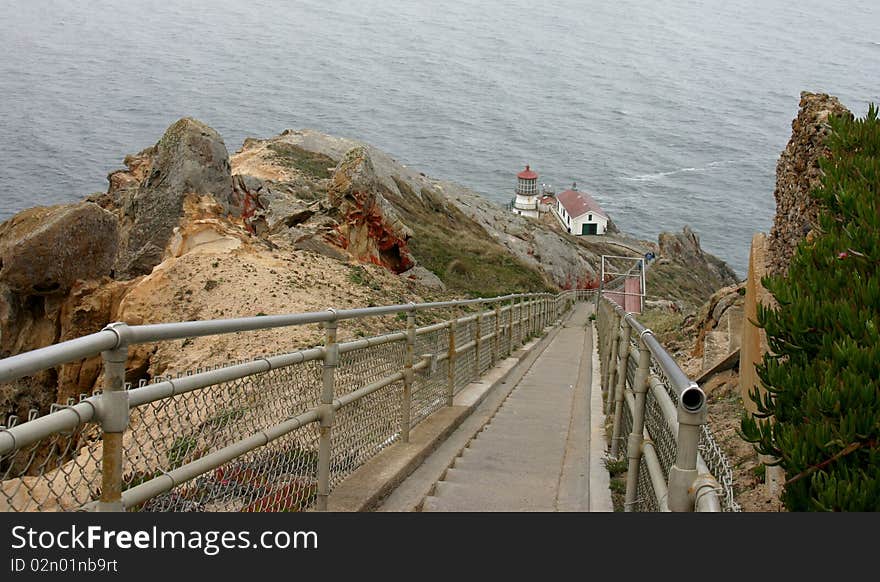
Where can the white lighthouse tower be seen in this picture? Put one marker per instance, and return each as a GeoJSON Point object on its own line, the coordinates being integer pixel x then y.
{"type": "Point", "coordinates": [526, 200]}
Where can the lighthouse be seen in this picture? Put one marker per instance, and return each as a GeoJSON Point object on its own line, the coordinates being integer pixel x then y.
{"type": "Point", "coordinates": [526, 200]}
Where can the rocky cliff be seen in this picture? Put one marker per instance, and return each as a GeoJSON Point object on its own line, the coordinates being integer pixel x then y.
{"type": "Point", "coordinates": [298, 222]}
{"type": "Point", "coordinates": [684, 273]}
{"type": "Point", "coordinates": [797, 174]}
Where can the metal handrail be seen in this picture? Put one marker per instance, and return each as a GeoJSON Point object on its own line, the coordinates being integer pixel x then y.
{"type": "Point", "coordinates": [690, 484]}
{"type": "Point", "coordinates": [118, 334]}
{"type": "Point", "coordinates": [527, 314]}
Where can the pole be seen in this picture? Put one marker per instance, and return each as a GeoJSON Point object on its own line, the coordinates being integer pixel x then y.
{"type": "Point", "coordinates": [634, 445]}
{"type": "Point", "coordinates": [450, 364]}
{"type": "Point", "coordinates": [328, 414]}
{"type": "Point", "coordinates": [408, 376]}
{"type": "Point", "coordinates": [114, 420]}
{"type": "Point", "coordinates": [623, 350]}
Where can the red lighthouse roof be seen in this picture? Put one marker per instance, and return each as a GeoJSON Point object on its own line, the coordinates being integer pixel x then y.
{"type": "Point", "coordinates": [527, 174]}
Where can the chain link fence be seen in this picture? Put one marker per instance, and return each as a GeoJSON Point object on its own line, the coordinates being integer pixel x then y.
{"type": "Point", "coordinates": [182, 425]}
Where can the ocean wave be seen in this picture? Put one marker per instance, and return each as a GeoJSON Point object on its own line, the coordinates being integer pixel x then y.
{"type": "Point", "coordinates": [660, 175]}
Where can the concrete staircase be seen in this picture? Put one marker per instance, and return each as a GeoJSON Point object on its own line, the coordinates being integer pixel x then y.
{"type": "Point", "coordinates": [534, 454]}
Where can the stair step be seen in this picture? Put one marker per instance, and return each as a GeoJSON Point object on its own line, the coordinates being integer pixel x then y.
{"type": "Point", "coordinates": [538, 456]}
{"type": "Point", "coordinates": [458, 497]}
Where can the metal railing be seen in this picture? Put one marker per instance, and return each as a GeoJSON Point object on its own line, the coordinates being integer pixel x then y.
{"type": "Point", "coordinates": [661, 415]}
{"type": "Point", "coordinates": [277, 433]}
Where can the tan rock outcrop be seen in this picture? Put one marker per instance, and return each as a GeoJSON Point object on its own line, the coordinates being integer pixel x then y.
{"type": "Point", "coordinates": [797, 175]}
{"type": "Point", "coordinates": [47, 249]}
{"type": "Point", "coordinates": [190, 159]}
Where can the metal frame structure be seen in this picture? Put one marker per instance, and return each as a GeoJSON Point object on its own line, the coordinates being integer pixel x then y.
{"type": "Point", "coordinates": [620, 277]}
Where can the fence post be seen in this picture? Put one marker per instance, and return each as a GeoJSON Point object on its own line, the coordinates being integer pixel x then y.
{"type": "Point", "coordinates": [620, 386]}
{"type": "Point", "coordinates": [611, 368]}
{"type": "Point", "coordinates": [114, 420]}
{"type": "Point", "coordinates": [328, 414]}
{"type": "Point", "coordinates": [691, 415]}
{"type": "Point", "coordinates": [406, 400]}
{"type": "Point", "coordinates": [541, 304]}
{"type": "Point", "coordinates": [510, 327]}
{"type": "Point", "coordinates": [450, 364]}
{"type": "Point", "coordinates": [530, 317]}
{"type": "Point", "coordinates": [478, 332]}
{"type": "Point", "coordinates": [496, 340]}
{"type": "Point", "coordinates": [539, 323]}
{"type": "Point", "coordinates": [634, 445]}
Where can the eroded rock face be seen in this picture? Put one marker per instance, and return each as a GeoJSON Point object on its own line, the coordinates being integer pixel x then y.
{"type": "Point", "coordinates": [369, 226]}
{"type": "Point", "coordinates": [29, 322]}
{"type": "Point", "coordinates": [191, 158]}
{"type": "Point", "coordinates": [797, 174]}
{"type": "Point", "coordinates": [684, 248]}
{"type": "Point", "coordinates": [45, 250]}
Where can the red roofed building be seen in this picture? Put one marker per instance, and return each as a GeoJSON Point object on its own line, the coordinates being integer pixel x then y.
{"type": "Point", "coordinates": [579, 213]}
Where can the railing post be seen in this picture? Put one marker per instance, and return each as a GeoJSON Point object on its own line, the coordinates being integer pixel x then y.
{"type": "Point", "coordinates": [450, 367]}
{"type": "Point", "coordinates": [114, 414]}
{"type": "Point", "coordinates": [542, 310]}
{"type": "Point", "coordinates": [541, 307]}
{"type": "Point", "coordinates": [478, 332]}
{"type": "Point", "coordinates": [406, 400]}
{"type": "Point", "coordinates": [522, 321]}
{"type": "Point", "coordinates": [611, 368]}
{"type": "Point", "coordinates": [530, 318]}
{"type": "Point", "coordinates": [496, 340]}
{"type": "Point", "coordinates": [510, 327]}
{"type": "Point", "coordinates": [328, 414]}
{"type": "Point", "coordinates": [682, 475]}
{"type": "Point", "coordinates": [620, 386]}
{"type": "Point", "coordinates": [634, 445]}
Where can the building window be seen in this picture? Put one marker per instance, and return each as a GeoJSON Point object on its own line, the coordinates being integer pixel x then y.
{"type": "Point", "coordinates": [590, 217]}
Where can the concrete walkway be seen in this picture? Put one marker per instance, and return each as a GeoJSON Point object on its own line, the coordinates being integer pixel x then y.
{"type": "Point", "coordinates": [542, 449]}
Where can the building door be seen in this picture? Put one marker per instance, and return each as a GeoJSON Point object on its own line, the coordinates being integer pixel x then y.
{"type": "Point", "coordinates": [588, 228]}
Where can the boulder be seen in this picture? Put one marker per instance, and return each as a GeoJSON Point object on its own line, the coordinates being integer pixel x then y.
{"type": "Point", "coordinates": [422, 276]}
{"type": "Point", "coordinates": [45, 250]}
{"type": "Point", "coordinates": [191, 158]}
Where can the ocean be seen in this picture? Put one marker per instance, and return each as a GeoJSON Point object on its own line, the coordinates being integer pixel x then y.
{"type": "Point", "coordinates": [669, 113]}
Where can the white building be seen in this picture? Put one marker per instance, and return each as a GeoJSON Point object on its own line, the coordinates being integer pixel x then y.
{"type": "Point", "coordinates": [526, 200]}
{"type": "Point", "coordinates": [579, 214]}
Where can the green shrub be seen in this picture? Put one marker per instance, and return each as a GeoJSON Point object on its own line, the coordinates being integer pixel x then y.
{"type": "Point", "coordinates": [822, 372]}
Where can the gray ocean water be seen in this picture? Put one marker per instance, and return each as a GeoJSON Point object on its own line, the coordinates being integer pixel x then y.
{"type": "Point", "coordinates": [669, 112]}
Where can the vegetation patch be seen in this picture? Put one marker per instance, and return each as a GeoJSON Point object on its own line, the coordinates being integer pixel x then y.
{"type": "Point", "coordinates": [819, 413]}
{"type": "Point", "coordinates": [460, 251]}
{"type": "Point", "coordinates": [617, 471]}
{"type": "Point", "coordinates": [666, 325]}
{"type": "Point", "coordinates": [671, 280]}
{"type": "Point", "coordinates": [309, 163]}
